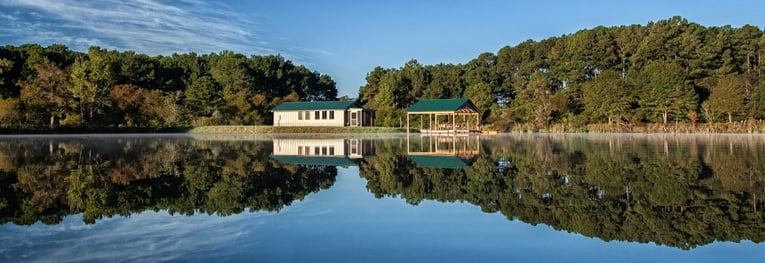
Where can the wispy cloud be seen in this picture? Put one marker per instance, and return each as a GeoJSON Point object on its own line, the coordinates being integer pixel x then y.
{"type": "Point", "coordinates": [145, 26]}
{"type": "Point", "coordinates": [144, 237]}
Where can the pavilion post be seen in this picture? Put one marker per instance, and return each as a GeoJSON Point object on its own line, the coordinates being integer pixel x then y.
{"type": "Point", "coordinates": [430, 122]}
{"type": "Point", "coordinates": [454, 123]}
{"type": "Point", "coordinates": [436, 117]}
{"type": "Point", "coordinates": [478, 121]}
{"type": "Point", "coordinates": [464, 120]}
{"type": "Point", "coordinates": [407, 126]}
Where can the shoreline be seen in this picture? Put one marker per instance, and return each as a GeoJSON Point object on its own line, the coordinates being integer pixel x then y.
{"type": "Point", "coordinates": [755, 127]}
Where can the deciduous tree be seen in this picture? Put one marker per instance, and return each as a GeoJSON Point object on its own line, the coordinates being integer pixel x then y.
{"type": "Point", "coordinates": [728, 97]}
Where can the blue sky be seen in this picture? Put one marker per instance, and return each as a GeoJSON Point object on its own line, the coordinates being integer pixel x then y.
{"type": "Point", "coordinates": [345, 39]}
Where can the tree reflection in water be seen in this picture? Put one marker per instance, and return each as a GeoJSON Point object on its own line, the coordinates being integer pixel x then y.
{"type": "Point", "coordinates": [45, 179]}
{"type": "Point", "coordinates": [676, 190]}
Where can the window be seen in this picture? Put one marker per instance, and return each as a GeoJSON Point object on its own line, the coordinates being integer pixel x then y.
{"type": "Point", "coordinates": [316, 114]}
{"type": "Point", "coordinates": [316, 150]}
{"type": "Point", "coordinates": [307, 115]}
{"type": "Point", "coordinates": [324, 115]}
{"type": "Point", "coordinates": [324, 150]}
{"type": "Point", "coordinates": [300, 148]}
{"type": "Point", "coordinates": [332, 115]}
{"type": "Point", "coordinates": [331, 148]}
{"type": "Point", "coordinates": [300, 115]}
{"type": "Point", "coordinates": [354, 147]}
{"type": "Point", "coordinates": [307, 150]}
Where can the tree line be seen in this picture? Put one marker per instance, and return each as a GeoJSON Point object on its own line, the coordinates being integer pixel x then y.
{"type": "Point", "coordinates": [53, 87]}
{"type": "Point", "coordinates": [669, 71]}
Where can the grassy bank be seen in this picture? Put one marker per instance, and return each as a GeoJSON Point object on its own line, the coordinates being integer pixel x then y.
{"type": "Point", "coordinates": [86, 130]}
{"type": "Point", "coordinates": [284, 130]}
{"type": "Point", "coordinates": [243, 129]}
{"type": "Point", "coordinates": [736, 127]}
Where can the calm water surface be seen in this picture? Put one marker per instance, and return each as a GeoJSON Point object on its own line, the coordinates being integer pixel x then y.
{"type": "Point", "coordinates": [517, 198]}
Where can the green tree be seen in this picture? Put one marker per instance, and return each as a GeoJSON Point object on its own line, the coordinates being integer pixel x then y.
{"type": "Point", "coordinates": [728, 97]}
{"type": "Point", "coordinates": [445, 80]}
{"type": "Point", "coordinates": [482, 96]}
{"type": "Point", "coordinates": [386, 101]}
{"type": "Point", "coordinates": [607, 96]}
{"type": "Point", "coordinates": [324, 89]}
{"type": "Point", "coordinates": [231, 72]}
{"type": "Point", "coordinates": [5, 66]}
{"type": "Point", "coordinates": [417, 78]}
{"type": "Point", "coordinates": [369, 92]}
{"type": "Point", "coordinates": [204, 97]}
{"type": "Point", "coordinates": [664, 93]}
{"type": "Point", "coordinates": [533, 100]}
{"type": "Point", "coordinates": [92, 80]}
{"type": "Point", "coordinates": [139, 70]}
{"type": "Point", "coordinates": [757, 103]}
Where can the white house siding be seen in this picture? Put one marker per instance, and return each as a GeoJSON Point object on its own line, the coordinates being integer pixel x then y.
{"type": "Point", "coordinates": [310, 147]}
{"type": "Point", "coordinates": [290, 118]}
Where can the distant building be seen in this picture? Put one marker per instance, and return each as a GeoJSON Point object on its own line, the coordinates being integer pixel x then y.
{"type": "Point", "coordinates": [322, 113]}
{"type": "Point", "coordinates": [444, 116]}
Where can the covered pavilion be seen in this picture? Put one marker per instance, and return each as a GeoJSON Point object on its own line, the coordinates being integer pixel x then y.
{"type": "Point", "coordinates": [444, 116]}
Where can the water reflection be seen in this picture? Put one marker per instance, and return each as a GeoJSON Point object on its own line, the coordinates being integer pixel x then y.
{"type": "Point", "coordinates": [680, 191]}
{"type": "Point", "coordinates": [674, 190]}
{"type": "Point", "coordinates": [45, 179]}
{"type": "Point", "coordinates": [443, 151]}
{"type": "Point", "coordinates": [342, 152]}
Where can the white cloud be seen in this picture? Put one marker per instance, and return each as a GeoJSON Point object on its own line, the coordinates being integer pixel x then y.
{"type": "Point", "coordinates": [143, 237]}
{"type": "Point", "coordinates": [145, 26]}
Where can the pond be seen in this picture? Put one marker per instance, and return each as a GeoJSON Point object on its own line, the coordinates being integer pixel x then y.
{"type": "Point", "coordinates": [382, 198]}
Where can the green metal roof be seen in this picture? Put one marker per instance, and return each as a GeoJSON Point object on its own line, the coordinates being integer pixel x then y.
{"type": "Point", "coordinates": [316, 105]}
{"type": "Point", "coordinates": [307, 160]}
{"type": "Point", "coordinates": [441, 105]}
{"type": "Point", "coordinates": [446, 162]}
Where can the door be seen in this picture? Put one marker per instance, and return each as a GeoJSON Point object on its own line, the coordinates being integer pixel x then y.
{"type": "Point", "coordinates": [354, 119]}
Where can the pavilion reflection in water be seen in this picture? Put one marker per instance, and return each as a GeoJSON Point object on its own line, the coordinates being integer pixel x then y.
{"type": "Point", "coordinates": [453, 151]}
{"type": "Point", "coordinates": [328, 152]}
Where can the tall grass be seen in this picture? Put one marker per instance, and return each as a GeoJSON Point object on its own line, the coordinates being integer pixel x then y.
{"type": "Point", "coordinates": [756, 126]}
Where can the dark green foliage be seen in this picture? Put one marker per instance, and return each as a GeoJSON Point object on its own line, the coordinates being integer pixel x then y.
{"type": "Point", "coordinates": [663, 93]}
{"type": "Point", "coordinates": [607, 97]}
{"type": "Point", "coordinates": [660, 72]}
{"type": "Point", "coordinates": [177, 90]}
{"type": "Point", "coordinates": [728, 98]}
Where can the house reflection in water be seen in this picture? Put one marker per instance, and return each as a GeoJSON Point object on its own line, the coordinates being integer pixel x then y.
{"type": "Point", "coordinates": [443, 151]}
{"type": "Point", "coordinates": [328, 152]}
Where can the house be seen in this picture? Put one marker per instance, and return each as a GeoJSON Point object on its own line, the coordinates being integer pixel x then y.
{"type": "Point", "coordinates": [322, 113]}
{"type": "Point", "coordinates": [327, 151]}
{"type": "Point", "coordinates": [444, 116]}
